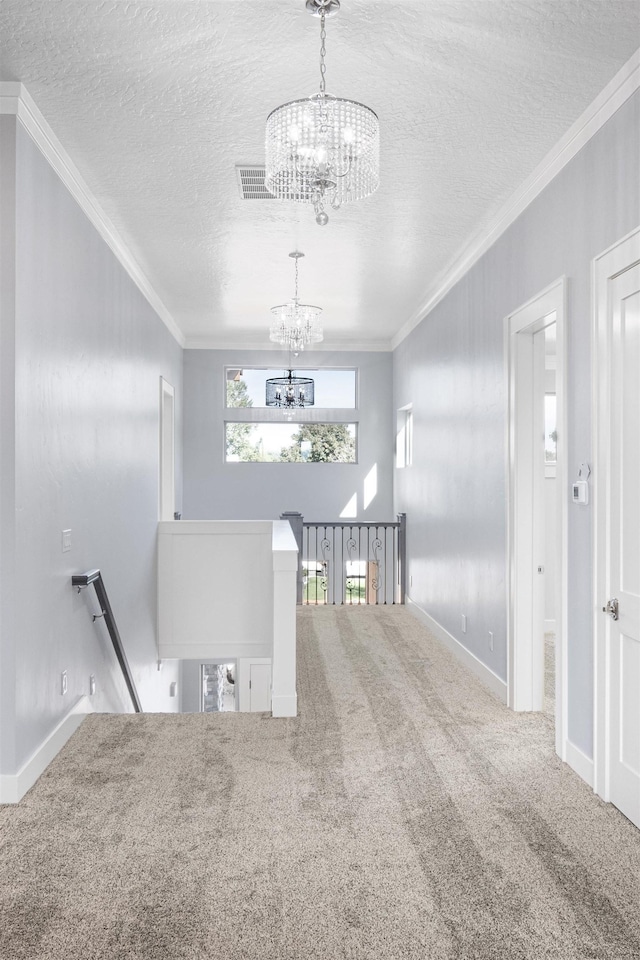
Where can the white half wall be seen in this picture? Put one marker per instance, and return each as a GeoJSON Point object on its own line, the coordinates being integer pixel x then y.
{"type": "Point", "coordinates": [215, 589]}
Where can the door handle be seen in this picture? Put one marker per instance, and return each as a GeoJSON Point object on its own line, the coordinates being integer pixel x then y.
{"type": "Point", "coordinates": [611, 608]}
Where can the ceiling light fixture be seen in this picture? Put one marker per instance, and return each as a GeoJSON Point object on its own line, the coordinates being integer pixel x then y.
{"type": "Point", "coordinates": [290, 391]}
{"type": "Point", "coordinates": [295, 324]}
{"type": "Point", "coordinates": [323, 149]}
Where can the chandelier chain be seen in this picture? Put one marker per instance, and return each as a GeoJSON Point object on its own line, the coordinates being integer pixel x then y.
{"type": "Point", "coordinates": [323, 53]}
{"type": "Point", "coordinates": [296, 296]}
{"type": "Point", "coordinates": [322, 150]}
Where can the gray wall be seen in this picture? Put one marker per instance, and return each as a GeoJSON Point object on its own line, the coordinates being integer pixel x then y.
{"type": "Point", "coordinates": [215, 490]}
{"type": "Point", "coordinates": [82, 354]}
{"type": "Point", "coordinates": [451, 367]}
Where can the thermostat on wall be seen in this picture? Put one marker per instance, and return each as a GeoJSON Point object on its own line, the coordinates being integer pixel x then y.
{"type": "Point", "coordinates": [580, 491]}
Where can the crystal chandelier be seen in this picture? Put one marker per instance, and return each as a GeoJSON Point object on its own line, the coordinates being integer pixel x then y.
{"type": "Point", "coordinates": [290, 391]}
{"type": "Point", "coordinates": [323, 149]}
{"type": "Point", "coordinates": [295, 324]}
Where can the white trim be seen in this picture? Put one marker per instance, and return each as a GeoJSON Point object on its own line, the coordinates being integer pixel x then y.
{"type": "Point", "coordinates": [243, 678]}
{"type": "Point", "coordinates": [579, 762]}
{"type": "Point", "coordinates": [344, 346]}
{"type": "Point", "coordinates": [284, 705]}
{"type": "Point", "coordinates": [490, 679]}
{"type": "Point", "coordinates": [284, 699]}
{"type": "Point", "coordinates": [624, 85]}
{"type": "Point", "coordinates": [13, 787]}
{"type": "Point", "coordinates": [167, 466]}
{"type": "Point", "coordinates": [16, 101]}
{"type": "Point", "coordinates": [604, 267]}
{"type": "Point", "coordinates": [222, 650]}
{"type": "Point", "coordinates": [520, 532]}
{"type": "Point", "coordinates": [550, 626]}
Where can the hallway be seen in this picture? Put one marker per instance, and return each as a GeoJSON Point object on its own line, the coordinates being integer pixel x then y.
{"type": "Point", "coordinates": [405, 813]}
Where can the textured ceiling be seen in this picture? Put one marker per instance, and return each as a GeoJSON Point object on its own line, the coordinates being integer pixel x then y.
{"type": "Point", "coordinates": [156, 103]}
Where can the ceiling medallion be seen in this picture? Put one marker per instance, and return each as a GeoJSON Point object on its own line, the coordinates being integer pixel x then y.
{"type": "Point", "coordinates": [322, 150]}
{"type": "Point", "coordinates": [295, 324]}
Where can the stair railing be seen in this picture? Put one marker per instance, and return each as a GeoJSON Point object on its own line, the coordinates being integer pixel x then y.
{"type": "Point", "coordinates": [350, 562]}
{"type": "Point", "coordinates": [94, 577]}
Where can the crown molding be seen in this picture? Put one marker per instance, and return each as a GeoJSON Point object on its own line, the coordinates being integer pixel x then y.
{"type": "Point", "coordinates": [211, 343]}
{"type": "Point", "coordinates": [624, 85]}
{"type": "Point", "coordinates": [16, 101]}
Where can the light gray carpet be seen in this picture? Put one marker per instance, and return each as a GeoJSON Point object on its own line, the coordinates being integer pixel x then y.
{"type": "Point", "coordinates": [404, 814]}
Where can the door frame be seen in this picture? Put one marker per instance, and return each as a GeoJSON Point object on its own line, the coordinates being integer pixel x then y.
{"type": "Point", "coordinates": [167, 475]}
{"type": "Point", "coordinates": [614, 260]}
{"type": "Point", "coordinates": [518, 351]}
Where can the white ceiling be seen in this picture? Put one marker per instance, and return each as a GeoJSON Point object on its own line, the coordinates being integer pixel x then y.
{"type": "Point", "coordinates": [156, 103]}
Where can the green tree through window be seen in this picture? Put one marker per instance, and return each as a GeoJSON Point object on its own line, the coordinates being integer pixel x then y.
{"type": "Point", "coordinates": [239, 445]}
{"type": "Point", "coordinates": [321, 443]}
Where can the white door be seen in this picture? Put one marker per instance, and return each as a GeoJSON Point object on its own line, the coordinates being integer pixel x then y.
{"type": "Point", "coordinates": [618, 526]}
{"type": "Point", "coordinates": [260, 687]}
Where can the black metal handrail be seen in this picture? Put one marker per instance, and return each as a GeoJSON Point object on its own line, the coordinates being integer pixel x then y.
{"type": "Point", "coordinates": [81, 580]}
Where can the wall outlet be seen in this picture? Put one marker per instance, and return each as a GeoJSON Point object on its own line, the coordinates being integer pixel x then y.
{"type": "Point", "coordinates": [92, 685]}
{"type": "Point", "coordinates": [490, 640]}
{"type": "Point", "coordinates": [64, 685]}
{"type": "Point", "coordinates": [173, 689]}
{"type": "Point", "coordinates": [66, 541]}
{"type": "Point", "coordinates": [463, 621]}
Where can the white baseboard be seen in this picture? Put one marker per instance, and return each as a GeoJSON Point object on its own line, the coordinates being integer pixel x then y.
{"type": "Point", "coordinates": [284, 705]}
{"type": "Point", "coordinates": [13, 787]}
{"type": "Point", "coordinates": [549, 626]}
{"type": "Point", "coordinates": [579, 762]}
{"type": "Point", "coordinates": [477, 667]}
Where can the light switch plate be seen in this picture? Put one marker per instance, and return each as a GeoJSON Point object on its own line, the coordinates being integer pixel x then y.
{"type": "Point", "coordinates": [66, 541]}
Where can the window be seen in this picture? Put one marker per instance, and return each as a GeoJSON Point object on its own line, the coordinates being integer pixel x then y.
{"type": "Point", "coordinates": [324, 433]}
{"type": "Point", "coordinates": [404, 437]}
{"type": "Point", "coordinates": [334, 389]}
{"type": "Point", "coordinates": [290, 442]}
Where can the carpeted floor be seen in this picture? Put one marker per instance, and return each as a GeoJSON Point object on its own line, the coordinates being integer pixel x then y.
{"type": "Point", "coordinates": [404, 814]}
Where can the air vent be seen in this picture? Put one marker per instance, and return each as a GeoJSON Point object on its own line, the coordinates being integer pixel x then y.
{"type": "Point", "coordinates": [251, 183]}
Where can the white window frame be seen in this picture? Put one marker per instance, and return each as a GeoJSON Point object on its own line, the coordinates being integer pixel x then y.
{"type": "Point", "coordinates": [301, 415]}
{"type": "Point", "coordinates": [404, 436]}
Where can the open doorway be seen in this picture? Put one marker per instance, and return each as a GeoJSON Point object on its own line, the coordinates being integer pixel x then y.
{"type": "Point", "coordinates": [167, 494]}
{"type": "Point", "coordinates": [536, 543]}
{"type": "Point", "coordinates": [549, 557]}
{"type": "Point", "coordinates": [217, 687]}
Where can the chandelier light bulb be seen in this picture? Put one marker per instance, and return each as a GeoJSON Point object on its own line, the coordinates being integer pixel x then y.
{"type": "Point", "coordinates": [322, 150]}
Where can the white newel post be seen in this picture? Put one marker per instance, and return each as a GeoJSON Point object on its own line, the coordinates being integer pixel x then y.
{"type": "Point", "coordinates": [284, 699]}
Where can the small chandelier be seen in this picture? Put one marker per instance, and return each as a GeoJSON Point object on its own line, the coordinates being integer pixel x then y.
{"type": "Point", "coordinates": [294, 324]}
{"type": "Point", "coordinates": [323, 149]}
{"type": "Point", "coordinates": [290, 391]}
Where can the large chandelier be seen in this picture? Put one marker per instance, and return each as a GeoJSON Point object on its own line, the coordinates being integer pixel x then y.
{"type": "Point", "coordinates": [290, 391]}
{"type": "Point", "coordinates": [323, 149]}
{"type": "Point", "coordinates": [295, 324]}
